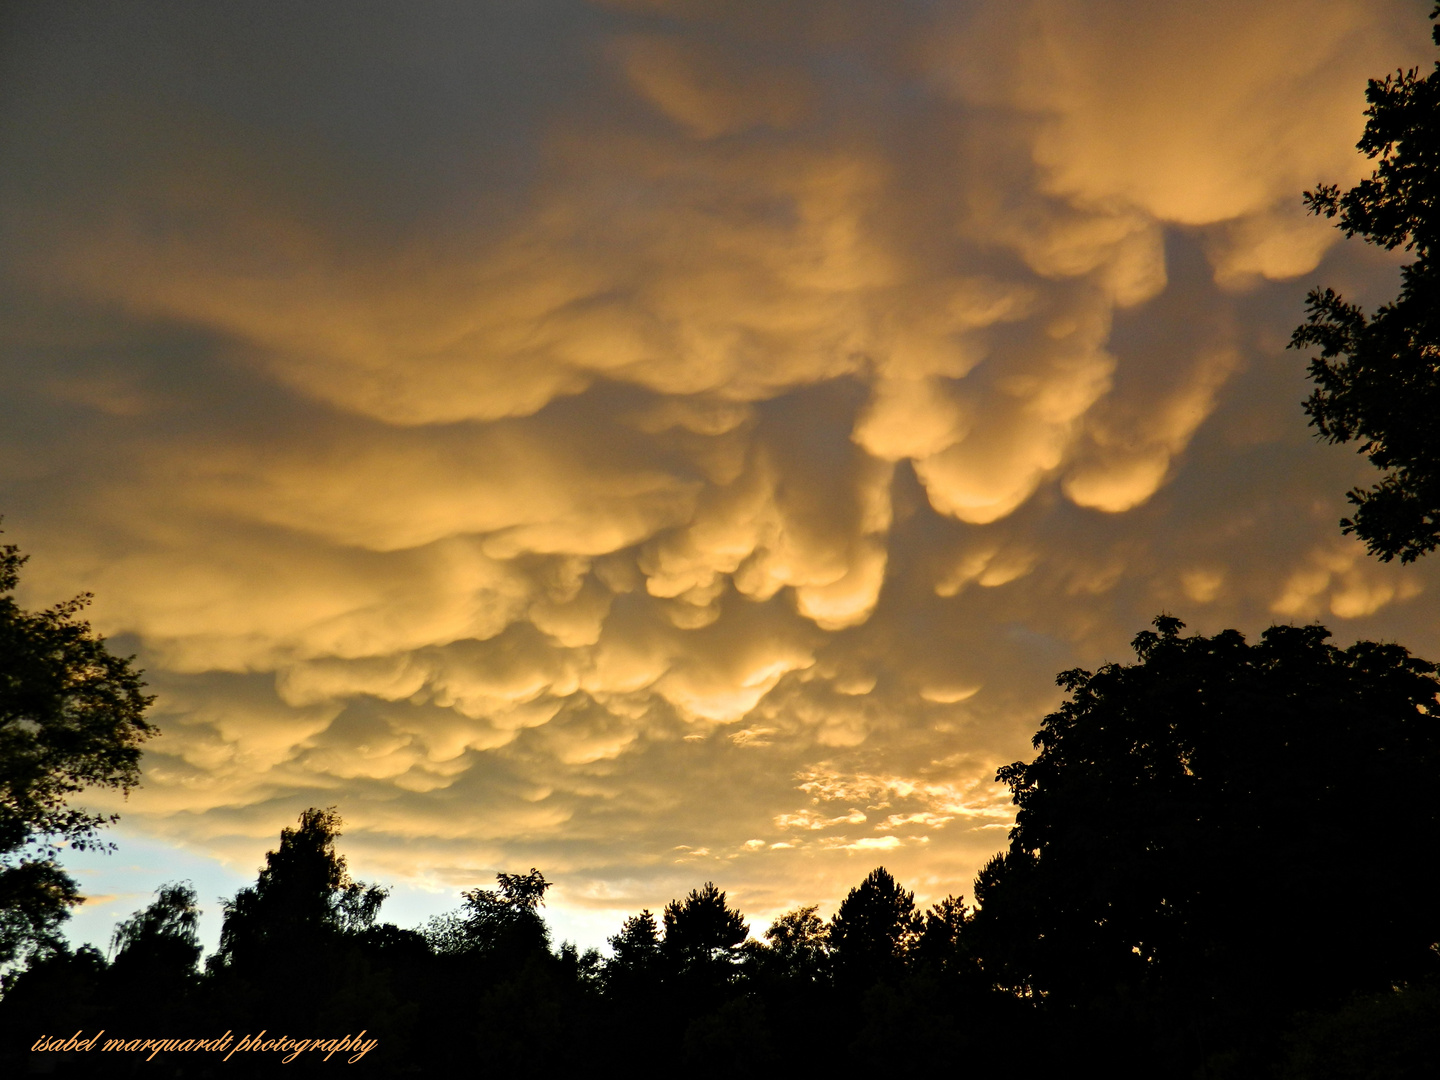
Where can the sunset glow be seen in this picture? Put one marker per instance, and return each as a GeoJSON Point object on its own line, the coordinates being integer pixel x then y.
{"type": "Point", "coordinates": [659, 442]}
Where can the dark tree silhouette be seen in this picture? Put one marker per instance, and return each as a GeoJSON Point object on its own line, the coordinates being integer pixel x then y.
{"type": "Point", "coordinates": [497, 984]}
{"type": "Point", "coordinates": [300, 949]}
{"type": "Point", "coordinates": [1377, 379]}
{"type": "Point", "coordinates": [638, 943]}
{"type": "Point", "coordinates": [634, 967]}
{"type": "Point", "coordinates": [941, 948]}
{"type": "Point", "coordinates": [154, 968]}
{"type": "Point", "coordinates": [161, 941]}
{"type": "Point", "coordinates": [1394, 1035]}
{"type": "Point", "coordinates": [702, 930]}
{"type": "Point", "coordinates": [1224, 830]}
{"type": "Point", "coordinates": [56, 987]}
{"type": "Point", "coordinates": [303, 897]}
{"type": "Point", "coordinates": [873, 929]}
{"type": "Point", "coordinates": [799, 944]}
{"type": "Point", "coordinates": [504, 921]}
{"type": "Point", "coordinates": [72, 717]}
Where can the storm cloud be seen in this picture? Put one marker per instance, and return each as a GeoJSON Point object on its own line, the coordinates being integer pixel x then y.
{"type": "Point", "coordinates": [658, 442]}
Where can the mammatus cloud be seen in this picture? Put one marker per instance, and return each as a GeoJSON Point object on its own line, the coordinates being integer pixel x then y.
{"type": "Point", "coordinates": [666, 441]}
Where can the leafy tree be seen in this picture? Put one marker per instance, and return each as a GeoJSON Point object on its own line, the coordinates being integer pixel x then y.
{"type": "Point", "coordinates": [499, 993]}
{"type": "Point", "coordinates": [1394, 1035]}
{"type": "Point", "coordinates": [638, 943]}
{"type": "Point", "coordinates": [1377, 378]}
{"type": "Point", "coordinates": [72, 717]}
{"type": "Point", "coordinates": [1224, 828]}
{"type": "Point", "coordinates": [733, 1040]}
{"type": "Point", "coordinates": [635, 963]}
{"type": "Point", "coordinates": [873, 929]}
{"type": "Point", "coordinates": [799, 944]}
{"type": "Point", "coordinates": [702, 930]}
{"type": "Point", "coordinates": [153, 975]}
{"type": "Point", "coordinates": [941, 946]}
{"type": "Point", "coordinates": [504, 921]}
{"type": "Point", "coordinates": [162, 937]}
{"type": "Point", "coordinates": [303, 896]}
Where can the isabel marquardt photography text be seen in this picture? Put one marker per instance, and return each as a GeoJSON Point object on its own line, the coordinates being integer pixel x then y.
{"type": "Point", "coordinates": [720, 538]}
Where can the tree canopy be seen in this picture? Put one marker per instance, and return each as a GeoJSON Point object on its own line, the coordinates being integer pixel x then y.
{"type": "Point", "coordinates": [873, 929]}
{"type": "Point", "coordinates": [1377, 378]}
{"type": "Point", "coordinates": [635, 964]}
{"type": "Point", "coordinates": [504, 920]}
{"type": "Point", "coordinates": [173, 919]}
{"type": "Point", "coordinates": [72, 717]}
{"type": "Point", "coordinates": [303, 896]}
{"type": "Point", "coordinates": [702, 928]}
{"type": "Point", "coordinates": [159, 944]}
{"type": "Point", "coordinates": [1197, 824]}
{"type": "Point", "coordinates": [799, 943]}
{"type": "Point", "coordinates": [879, 985]}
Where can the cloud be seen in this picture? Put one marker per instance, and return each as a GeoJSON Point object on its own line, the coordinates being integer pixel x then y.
{"type": "Point", "coordinates": [658, 441]}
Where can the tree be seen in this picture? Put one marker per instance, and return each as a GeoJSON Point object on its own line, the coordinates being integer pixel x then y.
{"type": "Point", "coordinates": [799, 944]}
{"type": "Point", "coordinates": [303, 897]}
{"type": "Point", "coordinates": [872, 930]}
{"type": "Point", "coordinates": [1224, 827]}
{"type": "Point", "coordinates": [72, 717]}
{"type": "Point", "coordinates": [941, 947]}
{"type": "Point", "coordinates": [632, 979]}
{"type": "Point", "coordinates": [163, 937]}
{"type": "Point", "coordinates": [504, 923]}
{"type": "Point", "coordinates": [1377, 379]}
{"type": "Point", "coordinates": [156, 952]}
{"type": "Point", "coordinates": [702, 930]}
{"type": "Point", "coordinates": [636, 954]}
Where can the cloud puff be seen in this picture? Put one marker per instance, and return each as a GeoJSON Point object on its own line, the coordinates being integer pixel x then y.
{"type": "Point", "coordinates": [658, 441]}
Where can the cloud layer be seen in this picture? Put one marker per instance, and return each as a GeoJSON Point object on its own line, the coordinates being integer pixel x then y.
{"type": "Point", "coordinates": [668, 441]}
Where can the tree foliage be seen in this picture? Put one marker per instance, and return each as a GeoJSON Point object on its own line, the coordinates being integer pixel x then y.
{"type": "Point", "coordinates": [303, 896]}
{"type": "Point", "coordinates": [1224, 821]}
{"type": "Point", "coordinates": [500, 920]}
{"type": "Point", "coordinates": [1377, 378]}
{"type": "Point", "coordinates": [171, 922]}
{"type": "Point", "coordinates": [72, 718]}
{"type": "Point", "coordinates": [702, 929]}
{"type": "Point", "coordinates": [873, 929]}
{"type": "Point", "coordinates": [940, 944]}
{"type": "Point", "coordinates": [635, 953]}
{"type": "Point", "coordinates": [158, 948]}
{"type": "Point", "coordinates": [799, 943]}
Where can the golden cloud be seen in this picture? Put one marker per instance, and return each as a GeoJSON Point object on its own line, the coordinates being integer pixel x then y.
{"type": "Point", "coordinates": [719, 497]}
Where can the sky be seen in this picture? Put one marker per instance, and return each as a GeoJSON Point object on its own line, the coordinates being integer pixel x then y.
{"type": "Point", "coordinates": [660, 442]}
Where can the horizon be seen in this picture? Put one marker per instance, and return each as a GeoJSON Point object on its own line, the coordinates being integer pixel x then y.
{"type": "Point", "coordinates": [658, 443]}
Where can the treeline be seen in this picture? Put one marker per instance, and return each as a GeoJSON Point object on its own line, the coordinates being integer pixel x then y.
{"type": "Point", "coordinates": [303, 954]}
{"type": "Point", "coordinates": [1225, 864]}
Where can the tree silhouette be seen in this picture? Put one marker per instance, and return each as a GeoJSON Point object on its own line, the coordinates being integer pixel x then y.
{"type": "Point", "coordinates": [71, 718]}
{"type": "Point", "coordinates": [1194, 830]}
{"type": "Point", "coordinates": [941, 947]}
{"type": "Point", "coordinates": [799, 945]}
{"type": "Point", "coordinates": [1377, 379]}
{"type": "Point", "coordinates": [55, 988]}
{"type": "Point", "coordinates": [302, 898]}
{"type": "Point", "coordinates": [503, 922]}
{"type": "Point", "coordinates": [874, 927]}
{"type": "Point", "coordinates": [634, 967]}
{"type": "Point", "coordinates": [163, 937]}
{"type": "Point", "coordinates": [702, 930]}
{"type": "Point", "coordinates": [637, 946]}
{"type": "Point", "coordinates": [153, 973]}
